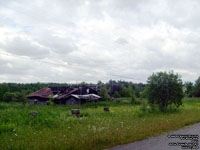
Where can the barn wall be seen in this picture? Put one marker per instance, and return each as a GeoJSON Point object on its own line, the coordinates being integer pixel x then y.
{"type": "Point", "coordinates": [31, 101]}
{"type": "Point", "coordinates": [73, 101]}
{"type": "Point", "coordinates": [37, 102]}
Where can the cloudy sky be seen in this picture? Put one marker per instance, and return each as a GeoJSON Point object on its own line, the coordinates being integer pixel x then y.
{"type": "Point", "coordinates": [91, 40]}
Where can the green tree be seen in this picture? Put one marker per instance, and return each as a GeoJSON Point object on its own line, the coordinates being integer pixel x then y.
{"type": "Point", "coordinates": [100, 84]}
{"type": "Point", "coordinates": [3, 89]}
{"type": "Point", "coordinates": [197, 88]}
{"type": "Point", "coordinates": [126, 92]}
{"type": "Point", "coordinates": [164, 89]}
{"type": "Point", "coordinates": [116, 94]}
{"type": "Point", "coordinates": [21, 96]}
{"type": "Point", "coordinates": [8, 97]}
{"type": "Point", "coordinates": [188, 88]}
{"type": "Point", "coordinates": [130, 91]}
{"type": "Point", "coordinates": [104, 93]}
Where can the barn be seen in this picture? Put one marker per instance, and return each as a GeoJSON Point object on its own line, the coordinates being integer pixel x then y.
{"type": "Point", "coordinates": [40, 97]}
{"type": "Point", "coordinates": [65, 95]}
{"type": "Point", "coordinates": [74, 99]}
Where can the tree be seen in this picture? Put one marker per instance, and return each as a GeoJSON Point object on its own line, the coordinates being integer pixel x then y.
{"type": "Point", "coordinates": [130, 91]}
{"type": "Point", "coordinates": [164, 89]}
{"type": "Point", "coordinates": [126, 92]}
{"type": "Point", "coordinates": [189, 88]}
{"type": "Point", "coordinates": [197, 88]}
{"type": "Point", "coordinates": [104, 93]}
{"type": "Point", "coordinates": [100, 84]}
{"type": "Point", "coordinates": [116, 94]}
{"type": "Point", "coordinates": [3, 89]}
{"type": "Point", "coordinates": [8, 97]}
{"type": "Point", "coordinates": [20, 96]}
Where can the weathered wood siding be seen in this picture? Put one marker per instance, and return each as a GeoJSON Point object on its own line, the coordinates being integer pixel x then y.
{"type": "Point", "coordinates": [37, 102]}
{"type": "Point", "coordinates": [73, 101]}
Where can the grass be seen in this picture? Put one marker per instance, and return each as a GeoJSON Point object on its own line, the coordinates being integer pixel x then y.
{"type": "Point", "coordinates": [55, 128]}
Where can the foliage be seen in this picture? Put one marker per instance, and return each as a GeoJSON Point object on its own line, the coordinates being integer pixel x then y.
{"type": "Point", "coordinates": [189, 89]}
{"type": "Point", "coordinates": [164, 89]}
{"type": "Point", "coordinates": [197, 88]}
{"type": "Point", "coordinates": [51, 100]}
{"type": "Point", "coordinates": [126, 92]}
{"type": "Point", "coordinates": [116, 94]}
{"type": "Point", "coordinates": [104, 93]}
{"type": "Point", "coordinates": [8, 96]}
{"type": "Point", "coordinates": [26, 89]}
{"type": "Point", "coordinates": [121, 87]}
{"type": "Point", "coordinates": [135, 100]}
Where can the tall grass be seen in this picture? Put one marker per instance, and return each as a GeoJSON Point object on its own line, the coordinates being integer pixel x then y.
{"type": "Point", "coordinates": [55, 128]}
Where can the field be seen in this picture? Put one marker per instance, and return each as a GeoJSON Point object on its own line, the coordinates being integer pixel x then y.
{"type": "Point", "coordinates": [55, 128]}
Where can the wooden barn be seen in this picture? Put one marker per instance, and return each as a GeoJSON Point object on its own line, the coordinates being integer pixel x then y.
{"type": "Point", "coordinates": [74, 99]}
{"type": "Point", "coordinates": [65, 95]}
{"type": "Point", "coordinates": [40, 97]}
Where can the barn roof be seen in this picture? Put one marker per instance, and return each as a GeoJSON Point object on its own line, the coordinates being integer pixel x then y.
{"type": "Point", "coordinates": [88, 97]}
{"type": "Point", "coordinates": [62, 92]}
{"type": "Point", "coordinates": [43, 93]}
{"type": "Point", "coordinates": [64, 95]}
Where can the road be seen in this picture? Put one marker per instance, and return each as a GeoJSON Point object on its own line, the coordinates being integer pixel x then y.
{"type": "Point", "coordinates": [162, 142]}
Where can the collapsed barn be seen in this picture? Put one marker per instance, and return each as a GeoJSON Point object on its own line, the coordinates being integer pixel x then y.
{"type": "Point", "coordinates": [65, 95]}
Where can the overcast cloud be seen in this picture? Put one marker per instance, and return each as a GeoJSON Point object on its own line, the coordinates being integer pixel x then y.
{"type": "Point", "coordinates": [92, 40]}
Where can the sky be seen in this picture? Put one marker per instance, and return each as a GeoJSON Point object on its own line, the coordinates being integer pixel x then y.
{"type": "Point", "coordinates": [91, 40]}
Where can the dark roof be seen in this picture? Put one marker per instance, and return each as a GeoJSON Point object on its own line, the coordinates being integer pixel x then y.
{"type": "Point", "coordinates": [43, 93]}
{"type": "Point", "coordinates": [62, 92]}
{"type": "Point", "coordinates": [64, 95]}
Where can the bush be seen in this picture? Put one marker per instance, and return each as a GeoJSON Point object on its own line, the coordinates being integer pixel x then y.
{"type": "Point", "coordinates": [133, 98]}
{"type": "Point", "coordinates": [164, 89]}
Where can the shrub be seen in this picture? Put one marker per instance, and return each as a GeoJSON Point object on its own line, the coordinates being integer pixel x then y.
{"type": "Point", "coordinates": [133, 98]}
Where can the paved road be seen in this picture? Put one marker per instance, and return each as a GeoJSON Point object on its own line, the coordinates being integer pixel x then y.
{"type": "Point", "coordinates": [162, 142]}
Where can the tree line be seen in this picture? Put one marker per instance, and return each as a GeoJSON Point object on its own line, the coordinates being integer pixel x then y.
{"type": "Point", "coordinates": [111, 89]}
{"type": "Point", "coordinates": [18, 92]}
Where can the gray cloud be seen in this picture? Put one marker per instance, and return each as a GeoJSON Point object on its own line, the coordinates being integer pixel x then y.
{"type": "Point", "coordinates": [24, 47]}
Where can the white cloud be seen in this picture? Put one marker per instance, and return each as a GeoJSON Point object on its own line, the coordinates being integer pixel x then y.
{"type": "Point", "coordinates": [93, 40]}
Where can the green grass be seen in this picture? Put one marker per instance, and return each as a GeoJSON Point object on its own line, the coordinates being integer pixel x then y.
{"type": "Point", "coordinates": [55, 128]}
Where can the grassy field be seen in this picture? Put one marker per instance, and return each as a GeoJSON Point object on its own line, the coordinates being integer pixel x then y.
{"type": "Point", "coordinates": [55, 128]}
